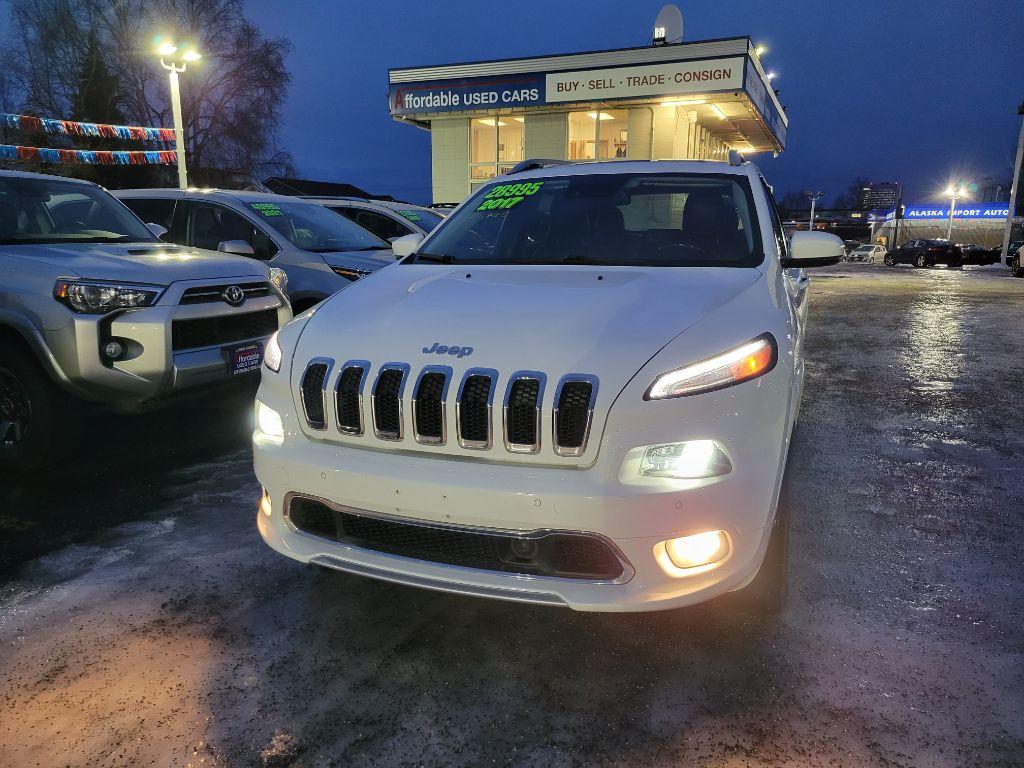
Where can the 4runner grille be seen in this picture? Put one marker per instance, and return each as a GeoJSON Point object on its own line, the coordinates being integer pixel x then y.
{"type": "Point", "coordinates": [205, 294]}
{"type": "Point", "coordinates": [222, 329]}
{"type": "Point", "coordinates": [555, 553]}
{"type": "Point", "coordinates": [519, 429]}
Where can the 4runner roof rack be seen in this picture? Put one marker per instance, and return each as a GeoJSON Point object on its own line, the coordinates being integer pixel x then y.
{"type": "Point", "coordinates": [534, 164]}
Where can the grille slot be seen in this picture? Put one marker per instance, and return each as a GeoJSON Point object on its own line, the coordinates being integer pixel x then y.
{"type": "Point", "coordinates": [387, 401]}
{"type": "Point", "coordinates": [522, 412]}
{"type": "Point", "coordinates": [574, 410]}
{"type": "Point", "coordinates": [205, 294]}
{"type": "Point", "coordinates": [473, 409]}
{"type": "Point", "coordinates": [312, 389]}
{"type": "Point", "coordinates": [559, 554]}
{"type": "Point", "coordinates": [428, 411]}
{"type": "Point", "coordinates": [212, 331]}
{"type": "Point", "coordinates": [349, 397]}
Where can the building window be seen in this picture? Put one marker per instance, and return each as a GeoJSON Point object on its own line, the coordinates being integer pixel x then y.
{"type": "Point", "coordinates": [495, 145]}
{"type": "Point", "coordinates": [598, 135]}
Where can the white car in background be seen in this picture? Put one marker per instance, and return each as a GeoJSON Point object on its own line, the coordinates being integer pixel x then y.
{"type": "Point", "coordinates": [385, 218]}
{"type": "Point", "coordinates": [868, 254]}
{"type": "Point", "coordinates": [579, 390]}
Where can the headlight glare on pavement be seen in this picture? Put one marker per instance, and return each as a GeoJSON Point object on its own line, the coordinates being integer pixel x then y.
{"type": "Point", "coordinates": [689, 460]}
{"type": "Point", "coordinates": [268, 422]}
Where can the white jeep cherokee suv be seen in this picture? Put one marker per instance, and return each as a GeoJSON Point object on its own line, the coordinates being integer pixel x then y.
{"type": "Point", "coordinates": [578, 390]}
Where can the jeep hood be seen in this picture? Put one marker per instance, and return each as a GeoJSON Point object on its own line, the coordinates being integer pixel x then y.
{"type": "Point", "coordinates": [604, 321]}
{"type": "Point", "coordinates": [137, 262]}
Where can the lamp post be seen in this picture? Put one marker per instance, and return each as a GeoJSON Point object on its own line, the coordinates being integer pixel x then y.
{"type": "Point", "coordinates": [814, 197]}
{"type": "Point", "coordinates": [179, 60]}
{"type": "Point", "coordinates": [953, 192]}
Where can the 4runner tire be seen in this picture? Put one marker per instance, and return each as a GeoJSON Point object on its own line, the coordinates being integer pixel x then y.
{"type": "Point", "coordinates": [29, 405]}
{"type": "Point", "coordinates": [766, 594]}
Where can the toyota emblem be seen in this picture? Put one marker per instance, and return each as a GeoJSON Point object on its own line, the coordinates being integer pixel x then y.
{"type": "Point", "coordinates": [234, 296]}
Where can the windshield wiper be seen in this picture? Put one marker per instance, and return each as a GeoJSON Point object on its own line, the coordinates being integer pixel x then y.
{"type": "Point", "coordinates": [443, 258]}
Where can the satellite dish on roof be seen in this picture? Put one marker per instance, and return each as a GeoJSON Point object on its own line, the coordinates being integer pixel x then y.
{"type": "Point", "coordinates": [668, 27]}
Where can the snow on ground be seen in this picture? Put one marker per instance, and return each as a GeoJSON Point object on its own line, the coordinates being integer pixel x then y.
{"type": "Point", "coordinates": [171, 635]}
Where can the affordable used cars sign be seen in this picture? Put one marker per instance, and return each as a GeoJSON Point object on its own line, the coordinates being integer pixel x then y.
{"type": "Point", "coordinates": [524, 90]}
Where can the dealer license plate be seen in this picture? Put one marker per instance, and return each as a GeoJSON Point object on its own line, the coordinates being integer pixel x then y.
{"type": "Point", "coordinates": [244, 359]}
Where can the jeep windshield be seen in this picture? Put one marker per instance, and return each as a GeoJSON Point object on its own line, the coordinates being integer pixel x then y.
{"type": "Point", "coordinates": [311, 227]}
{"type": "Point", "coordinates": [650, 220]}
{"type": "Point", "coordinates": [38, 211]}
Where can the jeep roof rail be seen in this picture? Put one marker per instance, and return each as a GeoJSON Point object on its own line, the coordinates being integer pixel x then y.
{"type": "Point", "coordinates": [534, 164]}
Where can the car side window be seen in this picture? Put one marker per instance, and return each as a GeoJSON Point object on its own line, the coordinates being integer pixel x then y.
{"type": "Point", "coordinates": [382, 226]}
{"type": "Point", "coordinates": [152, 210]}
{"type": "Point", "coordinates": [773, 212]}
{"type": "Point", "coordinates": [209, 225]}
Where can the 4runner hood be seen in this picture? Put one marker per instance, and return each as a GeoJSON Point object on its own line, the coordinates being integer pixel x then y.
{"type": "Point", "coordinates": [606, 321]}
{"type": "Point", "coordinates": [137, 262]}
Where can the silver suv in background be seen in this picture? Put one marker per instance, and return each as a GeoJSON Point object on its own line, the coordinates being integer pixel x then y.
{"type": "Point", "coordinates": [320, 251]}
{"type": "Point", "coordinates": [387, 219]}
{"type": "Point", "coordinates": [94, 307]}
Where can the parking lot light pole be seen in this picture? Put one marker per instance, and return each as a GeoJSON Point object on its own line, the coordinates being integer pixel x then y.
{"type": "Point", "coordinates": [953, 192]}
{"type": "Point", "coordinates": [814, 197]}
{"type": "Point", "coordinates": [169, 51]}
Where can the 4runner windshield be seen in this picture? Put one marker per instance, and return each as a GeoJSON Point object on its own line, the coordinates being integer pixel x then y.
{"type": "Point", "coordinates": [662, 220]}
{"type": "Point", "coordinates": [311, 227]}
{"type": "Point", "coordinates": [38, 211]}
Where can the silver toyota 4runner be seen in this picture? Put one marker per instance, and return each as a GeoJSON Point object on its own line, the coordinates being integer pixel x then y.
{"type": "Point", "coordinates": [93, 306]}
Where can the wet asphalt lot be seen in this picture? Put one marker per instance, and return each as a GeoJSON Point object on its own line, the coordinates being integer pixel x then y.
{"type": "Point", "coordinates": [143, 622]}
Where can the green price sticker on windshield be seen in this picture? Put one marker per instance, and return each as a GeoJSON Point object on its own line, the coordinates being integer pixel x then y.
{"type": "Point", "coordinates": [411, 215]}
{"type": "Point", "coordinates": [507, 195]}
{"type": "Point", "coordinates": [267, 209]}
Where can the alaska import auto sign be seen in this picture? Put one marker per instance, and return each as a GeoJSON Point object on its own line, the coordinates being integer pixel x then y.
{"type": "Point", "coordinates": [964, 211]}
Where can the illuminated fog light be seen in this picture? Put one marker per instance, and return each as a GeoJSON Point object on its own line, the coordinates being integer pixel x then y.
{"type": "Point", "coordinates": [692, 554]}
{"type": "Point", "coordinates": [689, 460]}
{"type": "Point", "coordinates": [265, 506]}
{"type": "Point", "coordinates": [268, 421]}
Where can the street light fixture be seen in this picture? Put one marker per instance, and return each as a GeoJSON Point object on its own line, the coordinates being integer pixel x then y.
{"type": "Point", "coordinates": [174, 59]}
{"type": "Point", "coordinates": [953, 192]}
{"type": "Point", "coordinates": [814, 197]}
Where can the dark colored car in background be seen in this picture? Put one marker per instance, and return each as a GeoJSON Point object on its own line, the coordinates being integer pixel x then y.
{"type": "Point", "coordinates": [925, 253]}
{"type": "Point", "coordinates": [972, 253]}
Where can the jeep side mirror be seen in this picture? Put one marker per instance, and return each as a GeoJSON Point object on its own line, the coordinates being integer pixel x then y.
{"type": "Point", "coordinates": [237, 247]}
{"type": "Point", "coordinates": [813, 249]}
{"type": "Point", "coordinates": [406, 244]}
{"type": "Point", "coordinates": [157, 230]}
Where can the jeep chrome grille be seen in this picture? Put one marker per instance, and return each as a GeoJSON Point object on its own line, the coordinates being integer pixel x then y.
{"type": "Point", "coordinates": [314, 390]}
{"type": "Point", "coordinates": [473, 408]}
{"type": "Point", "coordinates": [434, 388]}
{"type": "Point", "coordinates": [522, 412]}
{"type": "Point", "coordinates": [428, 405]}
{"type": "Point", "coordinates": [574, 410]}
{"type": "Point", "coordinates": [387, 401]}
{"type": "Point", "coordinates": [348, 396]}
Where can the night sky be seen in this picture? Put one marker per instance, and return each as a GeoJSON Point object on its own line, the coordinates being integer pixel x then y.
{"type": "Point", "coordinates": [918, 92]}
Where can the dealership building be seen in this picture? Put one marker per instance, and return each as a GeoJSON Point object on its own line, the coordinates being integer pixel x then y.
{"type": "Point", "coordinates": [980, 223]}
{"type": "Point", "coordinates": [684, 101]}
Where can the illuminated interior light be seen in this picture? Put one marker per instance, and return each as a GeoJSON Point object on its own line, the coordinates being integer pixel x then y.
{"type": "Point", "coordinates": [717, 110]}
{"type": "Point", "coordinates": [603, 116]}
{"type": "Point", "coordinates": [679, 102]}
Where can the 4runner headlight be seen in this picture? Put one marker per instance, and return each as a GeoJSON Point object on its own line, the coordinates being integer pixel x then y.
{"type": "Point", "coordinates": [279, 279]}
{"type": "Point", "coordinates": [745, 362]}
{"type": "Point", "coordinates": [272, 355]}
{"type": "Point", "coordinates": [96, 298]}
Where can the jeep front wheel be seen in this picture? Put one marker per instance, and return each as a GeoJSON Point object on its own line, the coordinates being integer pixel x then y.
{"type": "Point", "coordinates": [28, 411]}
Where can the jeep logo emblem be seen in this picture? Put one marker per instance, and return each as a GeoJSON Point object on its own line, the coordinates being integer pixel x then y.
{"type": "Point", "coordinates": [233, 295]}
{"type": "Point", "coordinates": [441, 349]}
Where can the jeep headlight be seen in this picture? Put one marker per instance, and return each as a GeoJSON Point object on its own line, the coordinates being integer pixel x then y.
{"type": "Point", "coordinates": [745, 362]}
{"type": "Point", "coordinates": [97, 298]}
